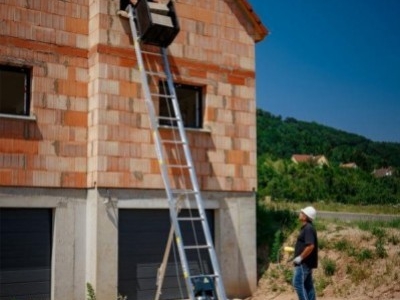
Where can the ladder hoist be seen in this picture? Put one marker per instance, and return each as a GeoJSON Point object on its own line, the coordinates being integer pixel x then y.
{"type": "Point", "coordinates": [156, 24]}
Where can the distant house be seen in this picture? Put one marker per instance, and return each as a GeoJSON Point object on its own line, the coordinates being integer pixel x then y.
{"type": "Point", "coordinates": [310, 159]}
{"type": "Point", "coordinates": [383, 172]}
{"type": "Point", "coordinates": [350, 165]}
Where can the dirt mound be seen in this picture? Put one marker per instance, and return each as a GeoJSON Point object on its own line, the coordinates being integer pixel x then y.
{"type": "Point", "coordinates": [353, 264]}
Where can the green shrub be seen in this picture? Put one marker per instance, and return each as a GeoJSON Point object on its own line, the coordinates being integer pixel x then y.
{"type": "Point", "coordinates": [380, 249]}
{"type": "Point", "coordinates": [329, 266]}
{"type": "Point", "coordinates": [378, 232]}
{"type": "Point", "coordinates": [357, 273]}
{"type": "Point", "coordinates": [320, 284]}
{"type": "Point", "coordinates": [288, 275]}
{"type": "Point", "coordinates": [320, 225]}
{"type": "Point", "coordinates": [273, 227]}
{"type": "Point", "coordinates": [275, 254]}
{"type": "Point", "coordinates": [363, 255]}
{"type": "Point", "coordinates": [394, 240]}
{"type": "Point", "coordinates": [91, 295]}
{"type": "Point", "coordinates": [322, 243]}
{"type": "Point", "coordinates": [343, 245]}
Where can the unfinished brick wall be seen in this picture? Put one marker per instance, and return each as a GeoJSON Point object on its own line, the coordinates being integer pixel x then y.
{"type": "Point", "coordinates": [51, 38]}
{"type": "Point", "coordinates": [91, 126]}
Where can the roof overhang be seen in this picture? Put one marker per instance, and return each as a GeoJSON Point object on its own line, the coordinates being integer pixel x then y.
{"type": "Point", "coordinates": [260, 30]}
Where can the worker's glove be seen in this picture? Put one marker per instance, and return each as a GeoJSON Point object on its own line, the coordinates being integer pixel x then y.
{"type": "Point", "coordinates": [297, 260]}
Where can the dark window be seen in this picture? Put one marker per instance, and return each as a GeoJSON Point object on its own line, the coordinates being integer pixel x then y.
{"type": "Point", "coordinates": [123, 4]}
{"type": "Point", "coordinates": [14, 90]}
{"type": "Point", "coordinates": [190, 105]}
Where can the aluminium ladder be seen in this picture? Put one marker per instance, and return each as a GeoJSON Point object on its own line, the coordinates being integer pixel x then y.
{"type": "Point", "coordinates": [176, 192]}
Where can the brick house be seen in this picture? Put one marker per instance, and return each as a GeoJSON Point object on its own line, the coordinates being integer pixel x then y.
{"type": "Point", "coordinates": [309, 159]}
{"type": "Point", "coordinates": [350, 165]}
{"type": "Point", "coordinates": [79, 180]}
{"type": "Point", "coordinates": [383, 172]}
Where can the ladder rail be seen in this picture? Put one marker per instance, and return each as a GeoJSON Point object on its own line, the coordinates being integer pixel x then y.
{"type": "Point", "coordinates": [159, 152]}
{"type": "Point", "coordinates": [193, 177]}
{"type": "Point", "coordinates": [165, 168]}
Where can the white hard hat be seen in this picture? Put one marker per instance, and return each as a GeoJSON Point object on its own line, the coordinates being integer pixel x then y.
{"type": "Point", "coordinates": [310, 212]}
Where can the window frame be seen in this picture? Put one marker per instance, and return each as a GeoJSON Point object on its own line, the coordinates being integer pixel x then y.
{"type": "Point", "coordinates": [198, 100]}
{"type": "Point", "coordinates": [27, 72]}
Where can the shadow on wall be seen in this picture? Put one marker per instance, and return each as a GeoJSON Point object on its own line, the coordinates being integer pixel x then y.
{"type": "Point", "coordinates": [19, 129]}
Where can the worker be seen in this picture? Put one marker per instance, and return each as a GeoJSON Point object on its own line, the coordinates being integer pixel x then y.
{"type": "Point", "coordinates": [305, 255]}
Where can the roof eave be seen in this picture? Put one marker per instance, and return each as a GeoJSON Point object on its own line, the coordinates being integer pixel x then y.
{"type": "Point", "coordinates": [260, 30]}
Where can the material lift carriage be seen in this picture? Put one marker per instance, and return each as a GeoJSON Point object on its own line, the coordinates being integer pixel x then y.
{"type": "Point", "coordinates": [156, 24]}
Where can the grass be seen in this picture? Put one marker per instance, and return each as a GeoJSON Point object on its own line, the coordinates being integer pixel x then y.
{"type": "Point", "coordinates": [364, 254]}
{"type": "Point", "coordinates": [329, 266]}
{"type": "Point", "coordinates": [338, 207]}
{"type": "Point", "coordinates": [372, 225]}
{"type": "Point", "coordinates": [320, 284]}
{"type": "Point", "coordinates": [358, 273]}
{"type": "Point", "coordinates": [343, 245]}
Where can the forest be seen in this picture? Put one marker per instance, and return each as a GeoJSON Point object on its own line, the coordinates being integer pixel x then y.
{"type": "Point", "coordinates": [282, 179]}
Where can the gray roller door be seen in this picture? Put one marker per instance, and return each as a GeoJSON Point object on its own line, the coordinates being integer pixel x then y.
{"type": "Point", "coordinates": [143, 235]}
{"type": "Point", "coordinates": [25, 254]}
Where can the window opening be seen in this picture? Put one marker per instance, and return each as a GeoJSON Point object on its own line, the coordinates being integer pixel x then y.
{"type": "Point", "coordinates": [14, 90]}
{"type": "Point", "coordinates": [190, 103]}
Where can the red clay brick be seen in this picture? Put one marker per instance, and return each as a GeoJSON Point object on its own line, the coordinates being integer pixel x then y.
{"type": "Point", "coordinates": [188, 11]}
{"type": "Point", "coordinates": [71, 74]}
{"type": "Point", "coordinates": [43, 47]}
{"type": "Point", "coordinates": [197, 73]}
{"type": "Point", "coordinates": [210, 114]}
{"type": "Point", "coordinates": [68, 88]}
{"type": "Point", "coordinates": [75, 118]}
{"type": "Point", "coordinates": [127, 89]}
{"type": "Point", "coordinates": [236, 80]}
{"type": "Point", "coordinates": [237, 157]}
{"type": "Point", "coordinates": [77, 25]}
{"type": "Point", "coordinates": [154, 166]}
{"type": "Point", "coordinates": [5, 177]}
{"type": "Point", "coordinates": [6, 145]}
{"type": "Point", "coordinates": [23, 146]}
{"type": "Point", "coordinates": [73, 180]}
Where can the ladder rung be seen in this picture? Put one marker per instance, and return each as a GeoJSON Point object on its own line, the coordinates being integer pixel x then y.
{"type": "Point", "coordinates": [164, 96]}
{"type": "Point", "coordinates": [178, 142]}
{"type": "Point", "coordinates": [194, 247]}
{"type": "Point", "coordinates": [187, 192]}
{"type": "Point", "coordinates": [151, 53]}
{"type": "Point", "coordinates": [155, 73]}
{"type": "Point", "coordinates": [179, 166]}
{"type": "Point", "coordinates": [204, 275]}
{"type": "Point", "coordinates": [168, 118]}
{"type": "Point", "coordinates": [190, 219]}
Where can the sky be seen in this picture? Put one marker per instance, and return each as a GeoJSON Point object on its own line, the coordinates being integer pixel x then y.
{"type": "Point", "coordinates": [333, 62]}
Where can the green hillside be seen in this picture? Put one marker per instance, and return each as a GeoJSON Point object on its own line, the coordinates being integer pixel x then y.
{"type": "Point", "coordinates": [279, 178]}
{"type": "Point", "coordinates": [282, 138]}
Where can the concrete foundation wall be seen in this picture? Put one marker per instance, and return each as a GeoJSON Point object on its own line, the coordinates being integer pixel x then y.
{"type": "Point", "coordinates": [85, 236]}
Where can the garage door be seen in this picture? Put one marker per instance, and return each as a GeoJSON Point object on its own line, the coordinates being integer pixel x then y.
{"type": "Point", "coordinates": [25, 253]}
{"type": "Point", "coordinates": [143, 235]}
